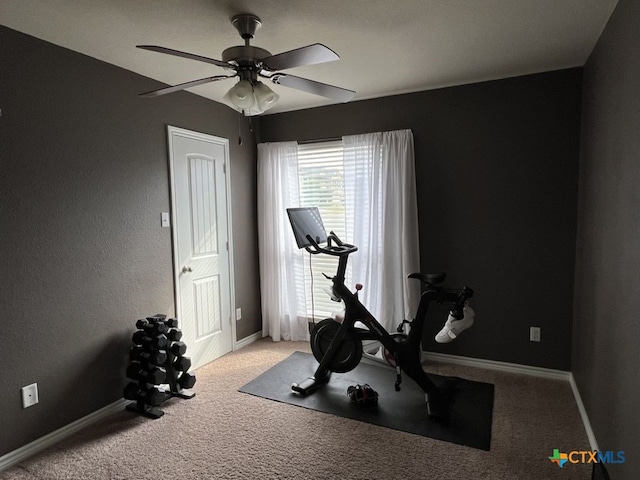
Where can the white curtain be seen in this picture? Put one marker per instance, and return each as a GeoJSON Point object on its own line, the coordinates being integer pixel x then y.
{"type": "Point", "coordinates": [382, 221]}
{"type": "Point", "coordinates": [281, 263]}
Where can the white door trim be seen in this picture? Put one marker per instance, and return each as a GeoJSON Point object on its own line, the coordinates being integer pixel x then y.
{"type": "Point", "coordinates": [171, 130]}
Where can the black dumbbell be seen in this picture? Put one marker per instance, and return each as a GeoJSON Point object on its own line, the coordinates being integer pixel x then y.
{"type": "Point", "coordinates": [182, 364]}
{"type": "Point", "coordinates": [149, 320]}
{"type": "Point", "coordinates": [145, 365]}
{"type": "Point", "coordinates": [157, 357]}
{"type": "Point", "coordinates": [155, 328]}
{"type": "Point", "coordinates": [187, 380]}
{"type": "Point", "coordinates": [174, 334]}
{"type": "Point", "coordinates": [152, 328]}
{"type": "Point", "coordinates": [171, 322]}
{"type": "Point", "coordinates": [141, 323]}
{"type": "Point", "coordinates": [178, 348]}
{"type": "Point", "coordinates": [155, 341]}
{"type": "Point", "coordinates": [153, 375]}
{"type": "Point", "coordinates": [151, 396]}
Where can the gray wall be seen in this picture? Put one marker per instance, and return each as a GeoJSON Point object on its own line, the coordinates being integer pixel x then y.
{"type": "Point", "coordinates": [606, 337]}
{"type": "Point", "coordinates": [497, 176]}
{"type": "Point", "coordinates": [83, 179]}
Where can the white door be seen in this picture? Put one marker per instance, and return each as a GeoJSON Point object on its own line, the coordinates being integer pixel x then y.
{"type": "Point", "coordinates": [201, 233]}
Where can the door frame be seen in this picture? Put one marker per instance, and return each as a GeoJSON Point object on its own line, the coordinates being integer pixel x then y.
{"type": "Point", "coordinates": [224, 142]}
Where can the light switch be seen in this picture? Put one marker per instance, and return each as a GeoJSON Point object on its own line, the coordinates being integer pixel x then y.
{"type": "Point", "coordinates": [165, 220]}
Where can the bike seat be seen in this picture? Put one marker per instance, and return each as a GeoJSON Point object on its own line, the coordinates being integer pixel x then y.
{"type": "Point", "coordinates": [429, 278]}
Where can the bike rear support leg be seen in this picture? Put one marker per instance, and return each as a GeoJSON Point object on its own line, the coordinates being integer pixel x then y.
{"type": "Point", "coordinates": [410, 360]}
{"type": "Point", "coordinates": [434, 398]}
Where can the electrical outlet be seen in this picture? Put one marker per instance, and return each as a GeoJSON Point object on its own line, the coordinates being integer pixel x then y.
{"type": "Point", "coordinates": [534, 334]}
{"type": "Point", "coordinates": [238, 314]}
{"type": "Point", "coordinates": [29, 395]}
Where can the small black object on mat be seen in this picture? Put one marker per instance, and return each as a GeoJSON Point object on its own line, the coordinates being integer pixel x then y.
{"type": "Point", "coordinates": [363, 395]}
{"type": "Point", "coordinates": [470, 410]}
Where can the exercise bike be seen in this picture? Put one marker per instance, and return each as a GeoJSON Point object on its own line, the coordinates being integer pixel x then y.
{"type": "Point", "coordinates": [338, 346]}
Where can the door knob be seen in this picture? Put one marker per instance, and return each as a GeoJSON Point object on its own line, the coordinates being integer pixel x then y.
{"type": "Point", "coordinates": [186, 269]}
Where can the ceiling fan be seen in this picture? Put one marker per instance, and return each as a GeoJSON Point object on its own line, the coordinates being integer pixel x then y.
{"type": "Point", "coordinates": [249, 95]}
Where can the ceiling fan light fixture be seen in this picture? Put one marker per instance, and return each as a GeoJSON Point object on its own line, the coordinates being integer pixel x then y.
{"type": "Point", "coordinates": [251, 98]}
{"type": "Point", "coordinates": [265, 97]}
{"type": "Point", "coordinates": [241, 95]}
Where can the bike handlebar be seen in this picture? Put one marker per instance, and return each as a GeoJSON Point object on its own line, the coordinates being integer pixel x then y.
{"type": "Point", "coordinates": [340, 249]}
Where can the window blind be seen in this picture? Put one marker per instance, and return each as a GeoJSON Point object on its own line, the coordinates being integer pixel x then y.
{"type": "Point", "coordinates": [321, 184]}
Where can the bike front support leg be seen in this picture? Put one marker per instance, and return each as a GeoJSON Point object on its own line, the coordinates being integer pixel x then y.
{"type": "Point", "coordinates": [322, 373]}
{"type": "Point", "coordinates": [309, 385]}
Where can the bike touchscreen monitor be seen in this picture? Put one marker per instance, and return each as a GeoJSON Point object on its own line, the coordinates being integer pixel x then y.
{"type": "Point", "coordinates": [307, 221]}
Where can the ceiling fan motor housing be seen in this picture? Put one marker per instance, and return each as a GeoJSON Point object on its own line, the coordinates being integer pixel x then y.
{"type": "Point", "coordinates": [244, 54]}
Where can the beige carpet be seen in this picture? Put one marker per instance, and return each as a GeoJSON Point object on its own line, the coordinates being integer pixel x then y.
{"type": "Point", "coordinates": [224, 434]}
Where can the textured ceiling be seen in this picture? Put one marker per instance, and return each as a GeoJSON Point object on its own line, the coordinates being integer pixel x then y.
{"type": "Point", "coordinates": [386, 47]}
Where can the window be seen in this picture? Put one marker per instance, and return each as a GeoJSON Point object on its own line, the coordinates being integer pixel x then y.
{"type": "Point", "coordinates": [321, 184]}
{"type": "Point", "coordinates": [368, 199]}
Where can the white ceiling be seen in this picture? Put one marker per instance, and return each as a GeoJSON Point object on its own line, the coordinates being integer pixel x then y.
{"type": "Point", "coordinates": [386, 46]}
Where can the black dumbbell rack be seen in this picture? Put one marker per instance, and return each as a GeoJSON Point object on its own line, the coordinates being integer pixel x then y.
{"type": "Point", "coordinates": [158, 366]}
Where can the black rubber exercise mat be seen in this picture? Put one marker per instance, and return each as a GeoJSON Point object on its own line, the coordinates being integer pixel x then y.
{"type": "Point", "coordinates": [470, 409]}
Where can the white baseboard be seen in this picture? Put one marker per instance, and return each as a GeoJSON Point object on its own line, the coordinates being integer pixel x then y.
{"type": "Point", "coordinates": [247, 340]}
{"type": "Point", "coordinates": [20, 454]}
{"type": "Point", "coordinates": [495, 365]}
{"type": "Point", "coordinates": [583, 413]}
{"type": "Point", "coordinates": [524, 370]}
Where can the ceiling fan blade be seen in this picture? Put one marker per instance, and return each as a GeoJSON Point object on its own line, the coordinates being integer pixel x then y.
{"type": "Point", "coordinates": [317, 88]}
{"type": "Point", "coordinates": [182, 86]}
{"type": "Point", "coordinates": [309, 55]}
{"type": "Point", "coordinates": [192, 56]}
